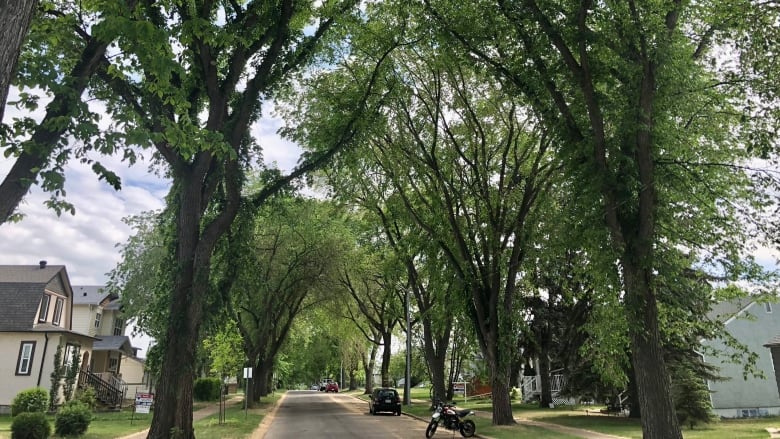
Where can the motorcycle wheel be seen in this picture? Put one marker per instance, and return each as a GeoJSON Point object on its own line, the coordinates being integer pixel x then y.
{"type": "Point", "coordinates": [467, 428]}
{"type": "Point", "coordinates": [431, 430]}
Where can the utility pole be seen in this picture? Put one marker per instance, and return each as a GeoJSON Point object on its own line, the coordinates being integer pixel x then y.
{"type": "Point", "coordinates": [408, 375]}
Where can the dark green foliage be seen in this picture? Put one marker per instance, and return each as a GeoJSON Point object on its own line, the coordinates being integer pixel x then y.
{"type": "Point", "coordinates": [691, 396]}
{"type": "Point", "coordinates": [30, 426]}
{"type": "Point", "coordinates": [72, 419]}
{"type": "Point", "coordinates": [33, 400]}
{"type": "Point", "coordinates": [206, 389]}
{"type": "Point", "coordinates": [56, 378]}
{"type": "Point", "coordinates": [72, 374]}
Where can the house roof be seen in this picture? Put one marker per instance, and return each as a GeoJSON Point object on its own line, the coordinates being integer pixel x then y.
{"type": "Point", "coordinates": [95, 295]}
{"type": "Point", "coordinates": [114, 343]}
{"type": "Point", "coordinates": [21, 289]}
{"type": "Point", "coordinates": [723, 311]}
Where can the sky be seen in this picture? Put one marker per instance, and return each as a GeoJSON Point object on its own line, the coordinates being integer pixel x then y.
{"type": "Point", "coordinates": [87, 243]}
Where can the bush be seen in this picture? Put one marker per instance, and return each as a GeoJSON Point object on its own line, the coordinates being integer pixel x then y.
{"type": "Point", "coordinates": [206, 389]}
{"type": "Point", "coordinates": [28, 425]}
{"type": "Point", "coordinates": [88, 397]}
{"type": "Point", "coordinates": [72, 419]}
{"type": "Point", "coordinates": [35, 400]}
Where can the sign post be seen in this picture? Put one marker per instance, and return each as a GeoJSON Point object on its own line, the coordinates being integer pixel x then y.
{"type": "Point", "coordinates": [247, 377]}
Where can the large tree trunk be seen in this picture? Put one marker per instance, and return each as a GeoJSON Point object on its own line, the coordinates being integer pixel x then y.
{"type": "Point", "coordinates": [387, 353]}
{"type": "Point", "coordinates": [368, 369]}
{"type": "Point", "coordinates": [173, 406]}
{"type": "Point", "coordinates": [15, 19]}
{"type": "Point", "coordinates": [652, 380]}
{"type": "Point", "coordinates": [436, 357]}
{"type": "Point", "coordinates": [545, 380]}
{"type": "Point", "coordinates": [194, 246]}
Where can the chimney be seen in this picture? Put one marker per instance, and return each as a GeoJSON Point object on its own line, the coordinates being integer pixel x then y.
{"type": "Point", "coordinates": [42, 264]}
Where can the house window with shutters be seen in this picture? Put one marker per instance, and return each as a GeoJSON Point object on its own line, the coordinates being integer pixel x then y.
{"type": "Point", "coordinates": [58, 311]}
{"type": "Point", "coordinates": [43, 312]}
{"type": "Point", "coordinates": [24, 363]}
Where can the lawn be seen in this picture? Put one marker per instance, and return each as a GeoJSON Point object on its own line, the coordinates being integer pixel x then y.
{"type": "Point", "coordinates": [117, 424]}
{"type": "Point", "coordinates": [589, 418]}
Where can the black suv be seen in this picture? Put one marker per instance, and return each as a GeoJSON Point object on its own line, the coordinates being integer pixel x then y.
{"type": "Point", "coordinates": [384, 400]}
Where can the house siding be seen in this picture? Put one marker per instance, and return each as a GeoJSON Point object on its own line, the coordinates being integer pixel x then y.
{"type": "Point", "coordinates": [737, 396]}
{"type": "Point", "coordinates": [133, 375]}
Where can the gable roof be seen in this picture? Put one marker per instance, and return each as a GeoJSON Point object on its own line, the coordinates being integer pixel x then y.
{"type": "Point", "coordinates": [114, 343]}
{"type": "Point", "coordinates": [95, 295]}
{"type": "Point", "coordinates": [724, 311]}
{"type": "Point", "coordinates": [21, 289]}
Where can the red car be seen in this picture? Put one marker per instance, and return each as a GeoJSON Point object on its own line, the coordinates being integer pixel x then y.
{"type": "Point", "coordinates": [332, 387]}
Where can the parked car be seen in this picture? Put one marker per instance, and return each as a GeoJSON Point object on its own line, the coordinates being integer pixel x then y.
{"type": "Point", "coordinates": [332, 387]}
{"type": "Point", "coordinates": [315, 386]}
{"type": "Point", "coordinates": [384, 399]}
{"type": "Point", "coordinates": [324, 384]}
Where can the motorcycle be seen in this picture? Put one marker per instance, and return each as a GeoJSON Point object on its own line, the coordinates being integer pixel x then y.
{"type": "Point", "coordinates": [451, 419]}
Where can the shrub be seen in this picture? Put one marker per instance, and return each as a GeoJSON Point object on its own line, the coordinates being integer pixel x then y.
{"type": "Point", "coordinates": [28, 425]}
{"type": "Point", "coordinates": [88, 397]}
{"type": "Point", "coordinates": [206, 389]}
{"type": "Point", "coordinates": [35, 400]}
{"type": "Point", "coordinates": [72, 419]}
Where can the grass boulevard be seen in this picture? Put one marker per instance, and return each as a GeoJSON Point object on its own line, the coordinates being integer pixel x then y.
{"type": "Point", "coordinates": [120, 424]}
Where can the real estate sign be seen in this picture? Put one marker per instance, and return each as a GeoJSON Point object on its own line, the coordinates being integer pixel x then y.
{"type": "Point", "coordinates": [143, 402]}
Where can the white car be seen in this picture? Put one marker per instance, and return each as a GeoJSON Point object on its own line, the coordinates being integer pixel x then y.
{"type": "Point", "coordinates": [314, 387]}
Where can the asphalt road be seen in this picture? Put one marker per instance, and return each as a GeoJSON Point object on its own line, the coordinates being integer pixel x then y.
{"type": "Point", "coordinates": [317, 415]}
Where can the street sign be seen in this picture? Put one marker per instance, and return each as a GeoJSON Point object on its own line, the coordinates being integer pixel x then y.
{"type": "Point", "coordinates": [143, 402]}
{"type": "Point", "coordinates": [248, 372]}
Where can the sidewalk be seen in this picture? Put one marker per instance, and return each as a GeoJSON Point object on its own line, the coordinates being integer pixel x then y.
{"type": "Point", "coordinates": [197, 415]}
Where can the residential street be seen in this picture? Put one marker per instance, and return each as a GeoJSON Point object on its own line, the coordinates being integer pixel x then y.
{"type": "Point", "coordinates": [316, 415]}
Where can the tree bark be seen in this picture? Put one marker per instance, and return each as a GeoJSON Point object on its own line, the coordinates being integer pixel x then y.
{"type": "Point", "coordinates": [387, 353]}
{"type": "Point", "coordinates": [15, 19]}
{"type": "Point", "coordinates": [545, 380]}
{"type": "Point", "coordinates": [436, 357]}
{"type": "Point", "coordinates": [173, 406]}
{"type": "Point", "coordinates": [368, 369]}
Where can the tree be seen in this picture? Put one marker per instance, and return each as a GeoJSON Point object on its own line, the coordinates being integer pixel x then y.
{"type": "Point", "coordinates": [629, 90]}
{"type": "Point", "coordinates": [191, 89]}
{"type": "Point", "coordinates": [65, 37]}
{"type": "Point", "coordinates": [468, 167]}
{"type": "Point", "coordinates": [295, 246]}
{"type": "Point", "coordinates": [224, 348]}
{"type": "Point", "coordinates": [15, 18]}
{"type": "Point", "coordinates": [369, 279]}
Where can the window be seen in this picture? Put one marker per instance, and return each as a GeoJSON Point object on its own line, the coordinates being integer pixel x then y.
{"type": "Point", "coordinates": [24, 363]}
{"type": "Point", "coordinates": [113, 363]}
{"type": "Point", "coordinates": [71, 351]}
{"type": "Point", "coordinates": [768, 307]}
{"type": "Point", "coordinates": [119, 326]}
{"type": "Point", "coordinates": [98, 316]}
{"type": "Point", "coordinates": [43, 313]}
{"type": "Point", "coordinates": [58, 311]}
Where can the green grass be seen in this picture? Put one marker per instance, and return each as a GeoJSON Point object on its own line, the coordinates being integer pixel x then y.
{"type": "Point", "coordinates": [104, 425]}
{"type": "Point", "coordinates": [117, 424]}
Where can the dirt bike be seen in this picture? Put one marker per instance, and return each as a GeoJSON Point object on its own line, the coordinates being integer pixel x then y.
{"type": "Point", "coordinates": [451, 419]}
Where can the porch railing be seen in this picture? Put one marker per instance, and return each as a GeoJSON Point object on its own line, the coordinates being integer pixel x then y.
{"type": "Point", "coordinates": [105, 392]}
